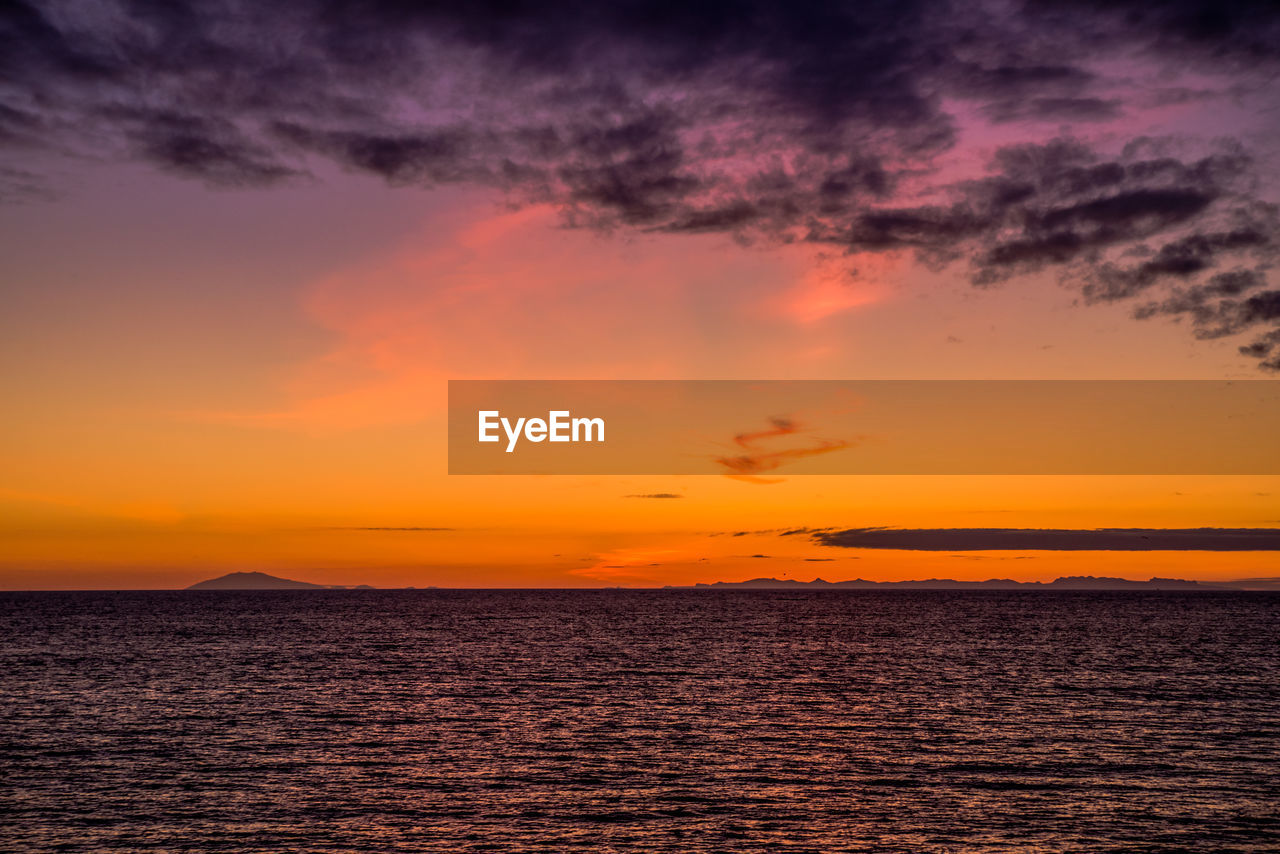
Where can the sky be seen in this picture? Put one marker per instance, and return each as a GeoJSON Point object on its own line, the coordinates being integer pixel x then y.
{"type": "Point", "coordinates": [244, 246]}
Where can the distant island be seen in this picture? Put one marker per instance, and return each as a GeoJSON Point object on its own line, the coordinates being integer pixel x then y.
{"type": "Point", "coordinates": [1072, 582]}
{"type": "Point", "coordinates": [262, 581]}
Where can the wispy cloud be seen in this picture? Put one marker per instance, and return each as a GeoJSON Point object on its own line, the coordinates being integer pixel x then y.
{"type": "Point", "coordinates": [757, 461]}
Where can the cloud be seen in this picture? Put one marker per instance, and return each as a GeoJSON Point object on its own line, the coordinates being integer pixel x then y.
{"type": "Point", "coordinates": [787, 122]}
{"type": "Point", "coordinates": [1054, 109]}
{"type": "Point", "coordinates": [756, 461]}
{"type": "Point", "coordinates": [794, 532]}
{"type": "Point", "coordinates": [1118, 228]}
{"type": "Point", "coordinates": [749, 465]}
{"type": "Point", "coordinates": [656, 495]}
{"type": "Point", "coordinates": [1060, 202]}
{"type": "Point", "coordinates": [1054, 539]}
{"type": "Point", "coordinates": [779, 427]}
{"type": "Point", "coordinates": [1266, 348]}
{"type": "Point", "coordinates": [1245, 31]}
{"type": "Point", "coordinates": [437, 156]}
{"type": "Point", "coordinates": [1213, 306]}
{"type": "Point", "coordinates": [210, 148]}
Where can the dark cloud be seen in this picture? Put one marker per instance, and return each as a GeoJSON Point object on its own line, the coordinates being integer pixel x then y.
{"type": "Point", "coordinates": [1009, 82]}
{"type": "Point", "coordinates": [1055, 539]}
{"type": "Point", "coordinates": [633, 173]}
{"type": "Point", "coordinates": [1212, 306]}
{"type": "Point", "coordinates": [781, 532]}
{"type": "Point", "coordinates": [439, 156]}
{"type": "Point", "coordinates": [724, 218]}
{"type": "Point", "coordinates": [795, 532]}
{"type": "Point", "coordinates": [1054, 109]}
{"type": "Point", "coordinates": [1061, 202]}
{"type": "Point", "coordinates": [657, 495]}
{"type": "Point", "coordinates": [1236, 315]}
{"type": "Point", "coordinates": [1242, 31]}
{"type": "Point", "coordinates": [211, 149]}
{"type": "Point", "coordinates": [1265, 348]}
{"type": "Point", "coordinates": [1181, 259]}
{"type": "Point", "coordinates": [768, 121]}
{"type": "Point", "coordinates": [1062, 205]}
{"type": "Point", "coordinates": [1117, 228]}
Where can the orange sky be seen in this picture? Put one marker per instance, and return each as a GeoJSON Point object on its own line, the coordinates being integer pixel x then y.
{"type": "Point", "coordinates": [228, 313]}
{"type": "Point", "coordinates": [190, 406]}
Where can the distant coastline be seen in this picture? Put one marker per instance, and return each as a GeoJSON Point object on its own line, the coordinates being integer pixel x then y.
{"type": "Point", "coordinates": [1072, 582]}
{"type": "Point", "coordinates": [263, 581]}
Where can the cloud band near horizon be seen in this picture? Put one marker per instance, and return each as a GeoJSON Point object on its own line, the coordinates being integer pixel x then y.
{"type": "Point", "coordinates": [1053, 539]}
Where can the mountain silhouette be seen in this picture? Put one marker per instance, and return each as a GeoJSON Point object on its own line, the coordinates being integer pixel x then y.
{"type": "Point", "coordinates": [254, 581]}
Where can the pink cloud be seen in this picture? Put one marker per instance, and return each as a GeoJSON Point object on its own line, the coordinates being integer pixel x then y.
{"type": "Point", "coordinates": [514, 295]}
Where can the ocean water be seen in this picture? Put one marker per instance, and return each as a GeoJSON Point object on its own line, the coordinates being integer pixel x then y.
{"type": "Point", "coordinates": [390, 721]}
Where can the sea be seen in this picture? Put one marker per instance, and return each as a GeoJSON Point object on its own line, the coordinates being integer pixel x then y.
{"type": "Point", "coordinates": [639, 721]}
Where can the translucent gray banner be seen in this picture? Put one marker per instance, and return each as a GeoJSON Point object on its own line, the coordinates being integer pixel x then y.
{"type": "Point", "coordinates": [762, 429]}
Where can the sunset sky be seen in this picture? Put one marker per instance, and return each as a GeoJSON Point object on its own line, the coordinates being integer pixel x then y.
{"type": "Point", "coordinates": [244, 246]}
